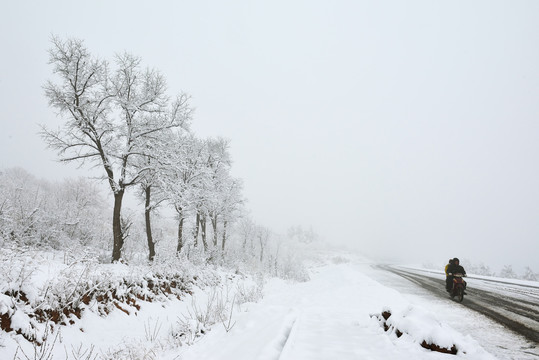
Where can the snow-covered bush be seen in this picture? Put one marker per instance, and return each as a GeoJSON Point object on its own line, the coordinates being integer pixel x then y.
{"type": "Point", "coordinates": [131, 350]}
{"type": "Point", "coordinates": [339, 259]}
{"type": "Point", "coordinates": [249, 292]}
{"type": "Point", "coordinates": [291, 267]}
{"type": "Point", "coordinates": [199, 320]}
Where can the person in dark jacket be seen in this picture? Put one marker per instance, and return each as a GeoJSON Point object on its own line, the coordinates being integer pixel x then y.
{"type": "Point", "coordinates": [453, 268]}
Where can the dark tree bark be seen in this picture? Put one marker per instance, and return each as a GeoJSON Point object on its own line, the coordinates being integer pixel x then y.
{"type": "Point", "coordinates": [244, 245]}
{"type": "Point", "coordinates": [197, 227]}
{"type": "Point", "coordinates": [179, 210]}
{"type": "Point", "coordinates": [262, 237]}
{"type": "Point", "coordinates": [180, 235]}
{"type": "Point", "coordinates": [117, 233]}
{"type": "Point", "coordinates": [147, 211]}
{"type": "Point", "coordinates": [203, 228]}
{"type": "Point", "coordinates": [224, 235]}
{"type": "Point", "coordinates": [214, 227]}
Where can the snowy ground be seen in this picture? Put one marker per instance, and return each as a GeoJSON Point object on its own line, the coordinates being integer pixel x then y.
{"type": "Point", "coordinates": [328, 317]}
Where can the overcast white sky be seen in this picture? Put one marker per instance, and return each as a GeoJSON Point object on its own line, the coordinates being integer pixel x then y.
{"type": "Point", "coordinates": [409, 129]}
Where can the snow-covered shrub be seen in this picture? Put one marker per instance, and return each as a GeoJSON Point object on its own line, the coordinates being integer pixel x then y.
{"type": "Point", "coordinates": [200, 316]}
{"type": "Point", "coordinates": [187, 331]}
{"type": "Point", "coordinates": [339, 259]}
{"type": "Point", "coordinates": [290, 267]}
{"type": "Point", "coordinates": [42, 347]}
{"type": "Point", "coordinates": [306, 236]}
{"type": "Point", "coordinates": [215, 305]}
{"type": "Point", "coordinates": [16, 271]}
{"type": "Point", "coordinates": [249, 293]}
{"type": "Point", "coordinates": [131, 350]}
{"type": "Point", "coordinates": [81, 352]}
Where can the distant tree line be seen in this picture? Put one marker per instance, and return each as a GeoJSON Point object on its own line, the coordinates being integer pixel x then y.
{"type": "Point", "coordinates": [39, 213]}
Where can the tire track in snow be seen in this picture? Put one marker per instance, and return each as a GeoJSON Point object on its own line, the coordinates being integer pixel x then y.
{"type": "Point", "coordinates": [286, 336]}
{"type": "Point", "coordinates": [276, 347]}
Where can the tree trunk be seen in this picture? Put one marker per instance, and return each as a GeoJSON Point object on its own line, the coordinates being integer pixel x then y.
{"type": "Point", "coordinates": [214, 227]}
{"type": "Point", "coordinates": [180, 236]}
{"type": "Point", "coordinates": [197, 223]}
{"type": "Point", "coordinates": [147, 210]}
{"type": "Point", "coordinates": [203, 228]}
{"type": "Point", "coordinates": [262, 238]}
{"type": "Point", "coordinates": [224, 235]}
{"type": "Point", "coordinates": [117, 226]}
{"type": "Point", "coordinates": [244, 245]}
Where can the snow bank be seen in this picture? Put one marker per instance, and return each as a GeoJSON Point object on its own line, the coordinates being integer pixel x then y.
{"type": "Point", "coordinates": [419, 326]}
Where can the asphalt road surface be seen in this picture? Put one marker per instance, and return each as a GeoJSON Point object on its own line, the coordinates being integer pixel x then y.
{"type": "Point", "coordinates": [514, 306]}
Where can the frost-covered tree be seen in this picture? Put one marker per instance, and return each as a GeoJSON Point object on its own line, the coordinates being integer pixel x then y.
{"type": "Point", "coordinates": [198, 184]}
{"type": "Point", "coordinates": [183, 177]}
{"type": "Point", "coordinates": [212, 158]}
{"type": "Point", "coordinates": [480, 269]}
{"type": "Point", "coordinates": [507, 272]}
{"type": "Point", "coordinates": [223, 192]}
{"type": "Point", "coordinates": [21, 203]}
{"type": "Point", "coordinates": [76, 206]}
{"type": "Point", "coordinates": [218, 164]}
{"type": "Point", "coordinates": [110, 115]}
{"type": "Point", "coordinates": [247, 230]}
{"type": "Point", "coordinates": [218, 195]}
{"type": "Point", "coordinates": [263, 236]}
{"type": "Point", "coordinates": [232, 202]}
{"type": "Point", "coordinates": [148, 182]}
{"type": "Point", "coordinates": [529, 274]}
{"type": "Point", "coordinates": [151, 194]}
{"type": "Point", "coordinates": [297, 233]}
{"type": "Point", "coordinates": [484, 270]}
{"type": "Point", "coordinates": [156, 163]}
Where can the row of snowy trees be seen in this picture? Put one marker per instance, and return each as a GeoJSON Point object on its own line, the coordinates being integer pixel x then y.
{"type": "Point", "coordinates": [120, 119]}
{"type": "Point", "coordinates": [72, 216]}
{"type": "Point", "coordinates": [506, 272]}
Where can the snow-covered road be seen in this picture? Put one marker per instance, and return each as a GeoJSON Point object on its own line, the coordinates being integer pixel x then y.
{"type": "Point", "coordinates": [330, 317]}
